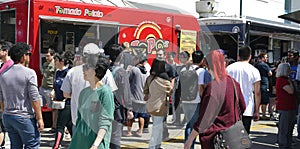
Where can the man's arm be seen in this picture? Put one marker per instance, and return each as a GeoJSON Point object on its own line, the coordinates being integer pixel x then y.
{"type": "Point", "coordinates": [36, 105]}
{"type": "Point", "coordinates": [66, 86]}
{"type": "Point", "coordinates": [270, 73]}
{"type": "Point", "coordinates": [67, 95]}
{"type": "Point", "coordinates": [172, 82]}
{"type": "Point", "coordinates": [257, 99]}
{"type": "Point", "coordinates": [2, 106]}
{"type": "Point", "coordinates": [146, 87]}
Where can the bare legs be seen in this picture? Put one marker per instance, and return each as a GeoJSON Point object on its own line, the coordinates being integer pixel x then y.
{"type": "Point", "coordinates": [54, 118]}
{"type": "Point", "coordinates": [139, 132]}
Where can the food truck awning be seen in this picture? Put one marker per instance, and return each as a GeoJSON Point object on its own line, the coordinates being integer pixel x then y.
{"type": "Point", "coordinates": [5, 1]}
{"type": "Point", "coordinates": [82, 21]}
{"type": "Point", "coordinates": [293, 16]}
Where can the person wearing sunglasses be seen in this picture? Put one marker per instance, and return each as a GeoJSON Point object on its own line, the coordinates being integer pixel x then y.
{"type": "Point", "coordinates": [7, 62]}
{"type": "Point", "coordinates": [95, 109]}
{"type": "Point", "coordinates": [22, 115]}
{"type": "Point", "coordinates": [74, 81]}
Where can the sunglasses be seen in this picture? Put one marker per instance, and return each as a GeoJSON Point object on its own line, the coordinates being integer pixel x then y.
{"type": "Point", "coordinates": [85, 54]}
{"type": "Point", "coordinates": [87, 66]}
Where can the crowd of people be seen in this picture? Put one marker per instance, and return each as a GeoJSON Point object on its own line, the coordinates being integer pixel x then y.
{"type": "Point", "coordinates": [92, 100]}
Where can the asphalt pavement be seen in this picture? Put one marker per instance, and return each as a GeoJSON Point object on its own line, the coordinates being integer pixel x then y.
{"type": "Point", "coordinates": [263, 134]}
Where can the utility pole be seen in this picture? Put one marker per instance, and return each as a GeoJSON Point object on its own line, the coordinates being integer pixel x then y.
{"type": "Point", "coordinates": [241, 8]}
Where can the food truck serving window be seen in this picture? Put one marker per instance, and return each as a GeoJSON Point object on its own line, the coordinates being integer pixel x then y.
{"type": "Point", "coordinates": [63, 35]}
{"type": "Point", "coordinates": [8, 25]}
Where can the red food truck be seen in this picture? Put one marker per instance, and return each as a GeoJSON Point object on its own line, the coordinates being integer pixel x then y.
{"type": "Point", "coordinates": [65, 25]}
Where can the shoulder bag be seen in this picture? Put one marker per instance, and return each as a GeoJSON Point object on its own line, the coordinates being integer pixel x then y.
{"type": "Point", "coordinates": [163, 108]}
{"type": "Point", "coordinates": [236, 136]}
{"type": "Point", "coordinates": [162, 111]}
{"type": "Point", "coordinates": [58, 104]}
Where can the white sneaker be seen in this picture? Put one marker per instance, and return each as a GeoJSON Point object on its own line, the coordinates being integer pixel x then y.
{"type": "Point", "coordinates": [67, 136]}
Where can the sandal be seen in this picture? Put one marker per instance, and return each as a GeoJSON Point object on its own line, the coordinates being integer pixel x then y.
{"type": "Point", "coordinates": [138, 134]}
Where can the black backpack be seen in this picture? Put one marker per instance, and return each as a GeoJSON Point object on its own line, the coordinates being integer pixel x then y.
{"type": "Point", "coordinates": [188, 84]}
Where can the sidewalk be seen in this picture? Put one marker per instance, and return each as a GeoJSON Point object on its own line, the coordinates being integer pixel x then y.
{"type": "Point", "coordinates": [263, 135]}
{"type": "Point", "coordinates": [175, 141]}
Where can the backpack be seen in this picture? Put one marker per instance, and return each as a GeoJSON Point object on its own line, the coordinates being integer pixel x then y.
{"type": "Point", "coordinates": [188, 80]}
{"type": "Point", "coordinates": [122, 95]}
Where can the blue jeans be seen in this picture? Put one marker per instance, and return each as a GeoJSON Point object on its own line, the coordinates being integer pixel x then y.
{"type": "Point", "coordinates": [22, 132]}
{"type": "Point", "coordinates": [285, 128]}
{"type": "Point", "coordinates": [298, 122]}
{"type": "Point", "coordinates": [191, 112]}
{"type": "Point", "coordinates": [157, 129]}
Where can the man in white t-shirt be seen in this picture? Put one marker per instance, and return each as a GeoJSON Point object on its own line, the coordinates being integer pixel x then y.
{"type": "Point", "coordinates": [74, 82]}
{"type": "Point", "coordinates": [249, 78]}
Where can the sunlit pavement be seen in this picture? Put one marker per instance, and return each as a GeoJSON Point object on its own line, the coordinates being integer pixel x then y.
{"type": "Point", "coordinates": [263, 134]}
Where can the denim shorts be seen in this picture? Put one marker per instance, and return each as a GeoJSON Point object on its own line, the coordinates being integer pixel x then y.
{"type": "Point", "coordinates": [143, 115]}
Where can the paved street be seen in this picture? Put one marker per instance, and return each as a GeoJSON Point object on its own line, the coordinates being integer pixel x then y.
{"type": "Point", "coordinates": [263, 134]}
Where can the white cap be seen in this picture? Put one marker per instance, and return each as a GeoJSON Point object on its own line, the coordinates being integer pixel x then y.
{"type": "Point", "coordinates": [92, 48]}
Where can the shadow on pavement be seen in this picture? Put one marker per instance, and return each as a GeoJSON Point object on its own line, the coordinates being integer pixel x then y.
{"type": "Point", "coordinates": [48, 138]}
{"type": "Point", "coordinates": [264, 140]}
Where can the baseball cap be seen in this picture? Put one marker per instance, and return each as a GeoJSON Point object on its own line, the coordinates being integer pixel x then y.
{"type": "Point", "coordinates": [91, 48]}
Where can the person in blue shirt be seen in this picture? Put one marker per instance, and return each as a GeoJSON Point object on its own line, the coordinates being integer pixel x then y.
{"type": "Point", "coordinates": [62, 63]}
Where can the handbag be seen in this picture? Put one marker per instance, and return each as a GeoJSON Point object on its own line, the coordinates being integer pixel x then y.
{"type": "Point", "coordinates": [236, 136]}
{"type": "Point", "coordinates": [162, 111]}
{"type": "Point", "coordinates": [163, 108]}
{"type": "Point", "coordinates": [58, 104]}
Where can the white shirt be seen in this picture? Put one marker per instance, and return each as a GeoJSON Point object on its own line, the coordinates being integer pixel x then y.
{"type": "Point", "coordinates": [200, 73]}
{"type": "Point", "coordinates": [298, 72]}
{"type": "Point", "coordinates": [74, 83]}
{"type": "Point", "coordinates": [246, 74]}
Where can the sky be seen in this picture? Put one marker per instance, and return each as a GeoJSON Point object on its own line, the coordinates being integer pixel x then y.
{"type": "Point", "coordinates": [189, 6]}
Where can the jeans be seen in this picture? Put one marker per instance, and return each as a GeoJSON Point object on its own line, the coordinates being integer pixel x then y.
{"type": "Point", "coordinates": [191, 112]}
{"type": "Point", "coordinates": [116, 134]}
{"type": "Point", "coordinates": [157, 129]}
{"type": "Point", "coordinates": [22, 131]}
{"type": "Point", "coordinates": [285, 128]}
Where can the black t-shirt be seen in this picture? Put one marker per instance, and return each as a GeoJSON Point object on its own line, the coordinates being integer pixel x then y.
{"type": "Point", "coordinates": [171, 71]}
{"type": "Point", "coordinates": [263, 69]}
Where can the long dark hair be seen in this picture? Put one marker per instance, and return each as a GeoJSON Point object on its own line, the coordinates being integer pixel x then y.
{"type": "Point", "coordinates": [158, 67]}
